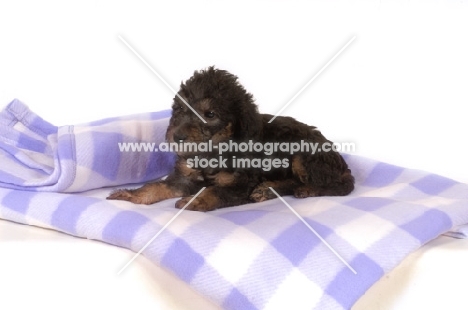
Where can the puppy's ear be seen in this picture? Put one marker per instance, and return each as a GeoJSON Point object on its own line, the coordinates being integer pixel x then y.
{"type": "Point", "coordinates": [249, 122]}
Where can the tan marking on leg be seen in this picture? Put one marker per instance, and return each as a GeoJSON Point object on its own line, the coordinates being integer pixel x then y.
{"type": "Point", "coordinates": [206, 201]}
{"type": "Point", "coordinates": [298, 169]}
{"type": "Point", "coordinates": [148, 194]}
{"type": "Point", "coordinates": [224, 178]}
{"type": "Point", "coordinates": [262, 192]}
{"type": "Point", "coordinates": [188, 172]}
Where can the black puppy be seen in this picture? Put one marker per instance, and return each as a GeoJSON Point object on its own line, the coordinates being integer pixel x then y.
{"type": "Point", "coordinates": [240, 176]}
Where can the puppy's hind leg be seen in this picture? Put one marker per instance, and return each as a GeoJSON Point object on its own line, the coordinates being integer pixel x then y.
{"type": "Point", "coordinates": [342, 187]}
{"type": "Point", "coordinates": [318, 179]}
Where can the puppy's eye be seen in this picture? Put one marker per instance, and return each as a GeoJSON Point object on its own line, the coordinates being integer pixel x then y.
{"type": "Point", "coordinates": [210, 114]}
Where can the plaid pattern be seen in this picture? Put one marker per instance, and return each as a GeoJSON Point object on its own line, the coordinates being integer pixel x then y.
{"type": "Point", "coordinates": [38, 156]}
{"type": "Point", "coordinates": [260, 256]}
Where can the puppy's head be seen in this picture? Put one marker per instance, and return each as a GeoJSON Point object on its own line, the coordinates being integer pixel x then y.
{"type": "Point", "coordinates": [227, 108]}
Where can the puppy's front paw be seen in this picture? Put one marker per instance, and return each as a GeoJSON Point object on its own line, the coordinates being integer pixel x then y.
{"type": "Point", "coordinates": [200, 203]}
{"type": "Point", "coordinates": [129, 195]}
{"type": "Point", "coordinates": [261, 193]}
{"type": "Point", "coordinates": [148, 194]}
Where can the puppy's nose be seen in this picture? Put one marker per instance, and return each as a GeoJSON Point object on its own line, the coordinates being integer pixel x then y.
{"type": "Point", "coordinates": [179, 137]}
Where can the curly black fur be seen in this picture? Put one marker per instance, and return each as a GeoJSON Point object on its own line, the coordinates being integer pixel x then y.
{"type": "Point", "coordinates": [231, 115]}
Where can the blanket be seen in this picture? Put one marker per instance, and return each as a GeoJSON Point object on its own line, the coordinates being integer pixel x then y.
{"type": "Point", "coordinates": [255, 256]}
{"type": "Point", "coordinates": [38, 156]}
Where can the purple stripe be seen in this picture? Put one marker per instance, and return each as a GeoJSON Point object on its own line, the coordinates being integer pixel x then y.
{"type": "Point", "coordinates": [29, 143]}
{"type": "Point", "coordinates": [271, 268]}
{"type": "Point", "coordinates": [66, 145]}
{"type": "Point", "coordinates": [106, 162]}
{"type": "Point", "coordinates": [244, 217]}
{"type": "Point", "coordinates": [11, 152]}
{"type": "Point", "coordinates": [32, 121]}
{"type": "Point", "coordinates": [182, 260]}
{"type": "Point", "coordinates": [17, 109]}
{"type": "Point", "coordinates": [43, 128]}
{"type": "Point", "coordinates": [18, 201]}
{"type": "Point", "coordinates": [382, 174]}
{"type": "Point", "coordinates": [348, 287]}
{"type": "Point", "coordinates": [236, 300]}
{"type": "Point", "coordinates": [69, 211]}
{"type": "Point", "coordinates": [159, 164]}
{"type": "Point", "coordinates": [6, 178]}
{"type": "Point", "coordinates": [368, 203]}
{"type": "Point", "coordinates": [297, 241]}
{"type": "Point", "coordinates": [122, 228]}
{"type": "Point", "coordinates": [429, 225]}
{"type": "Point", "coordinates": [433, 184]}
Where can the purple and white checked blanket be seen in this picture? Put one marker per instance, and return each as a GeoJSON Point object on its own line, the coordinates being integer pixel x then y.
{"type": "Point", "coordinates": [256, 256]}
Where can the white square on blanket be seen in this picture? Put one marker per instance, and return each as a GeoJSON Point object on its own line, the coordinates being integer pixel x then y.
{"type": "Point", "coordinates": [243, 247]}
{"type": "Point", "coordinates": [384, 191]}
{"type": "Point", "coordinates": [434, 202]}
{"type": "Point", "coordinates": [365, 231]}
{"type": "Point", "coordinates": [295, 292]}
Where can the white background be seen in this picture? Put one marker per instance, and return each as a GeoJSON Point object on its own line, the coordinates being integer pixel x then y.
{"type": "Point", "coordinates": [398, 92]}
